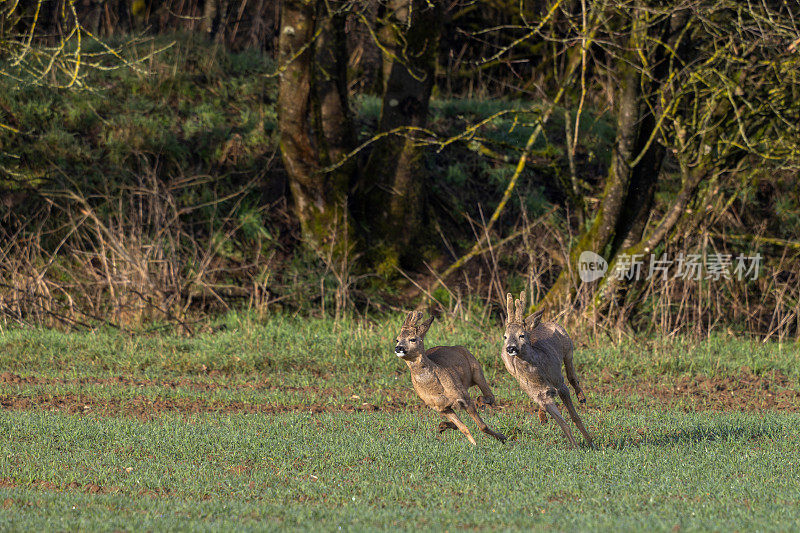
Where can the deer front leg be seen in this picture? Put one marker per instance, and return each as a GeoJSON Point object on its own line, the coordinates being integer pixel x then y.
{"type": "Point", "coordinates": [453, 417]}
{"type": "Point", "coordinates": [470, 408]}
{"type": "Point", "coordinates": [551, 408]}
{"type": "Point", "coordinates": [563, 393]}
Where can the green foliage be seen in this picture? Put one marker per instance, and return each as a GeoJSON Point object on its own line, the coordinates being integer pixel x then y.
{"type": "Point", "coordinates": [471, 176]}
{"type": "Point", "coordinates": [456, 175]}
{"type": "Point", "coordinates": [787, 211]}
{"type": "Point", "coordinates": [369, 108]}
{"type": "Point", "coordinates": [192, 110]}
{"type": "Point", "coordinates": [252, 225]}
{"type": "Point", "coordinates": [516, 284]}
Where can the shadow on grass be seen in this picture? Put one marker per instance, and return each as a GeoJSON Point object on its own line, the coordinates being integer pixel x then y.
{"type": "Point", "coordinates": [622, 437]}
{"type": "Point", "coordinates": [720, 432]}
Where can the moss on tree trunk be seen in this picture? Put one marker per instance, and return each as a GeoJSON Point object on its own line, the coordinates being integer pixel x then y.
{"type": "Point", "coordinates": [314, 121]}
{"type": "Point", "coordinates": [627, 198]}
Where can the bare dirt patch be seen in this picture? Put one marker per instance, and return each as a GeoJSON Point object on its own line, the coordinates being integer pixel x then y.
{"type": "Point", "coordinates": [147, 408]}
{"type": "Point", "coordinates": [741, 392]}
{"type": "Point", "coordinates": [10, 378]}
{"type": "Point", "coordinates": [89, 488]}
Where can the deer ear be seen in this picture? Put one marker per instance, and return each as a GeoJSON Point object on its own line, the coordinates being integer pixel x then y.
{"type": "Point", "coordinates": [533, 320]}
{"type": "Point", "coordinates": [424, 327]}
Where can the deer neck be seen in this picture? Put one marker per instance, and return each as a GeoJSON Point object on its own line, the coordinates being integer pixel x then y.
{"type": "Point", "coordinates": [420, 363]}
{"type": "Point", "coordinates": [423, 373]}
{"type": "Point", "coordinates": [422, 368]}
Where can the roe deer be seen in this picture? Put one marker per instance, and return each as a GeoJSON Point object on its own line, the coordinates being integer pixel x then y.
{"type": "Point", "coordinates": [533, 353]}
{"type": "Point", "coordinates": [442, 376]}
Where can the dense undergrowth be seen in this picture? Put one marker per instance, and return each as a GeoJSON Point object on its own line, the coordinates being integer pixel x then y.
{"type": "Point", "coordinates": [174, 177]}
{"type": "Point", "coordinates": [160, 195]}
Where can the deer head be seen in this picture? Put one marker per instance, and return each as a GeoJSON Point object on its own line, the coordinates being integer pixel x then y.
{"type": "Point", "coordinates": [518, 327]}
{"type": "Point", "coordinates": [410, 341]}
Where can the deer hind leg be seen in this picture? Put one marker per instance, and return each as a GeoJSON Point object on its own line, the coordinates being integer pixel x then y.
{"type": "Point", "coordinates": [563, 393]}
{"type": "Point", "coordinates": [572, 377]}
{"type": "Point", "coordinates": [453, 417]}
{"type": "Point", "coordinates": [470, 408]}
{"type": "Point", "coordinates": [479, 380]}
{"type": "Point", "coordinates": [551, 408]}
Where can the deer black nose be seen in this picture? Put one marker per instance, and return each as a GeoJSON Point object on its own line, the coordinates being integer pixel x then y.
{"type": "Point", "coordinates": [399, 349]}
{"type": "Point", "coordinates": [511, 349]}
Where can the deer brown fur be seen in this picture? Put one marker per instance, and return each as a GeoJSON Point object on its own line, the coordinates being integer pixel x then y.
{"type": "Point", "coordinates": [442, 376]}
{"type": "Point", "coordinates": [533, 352]}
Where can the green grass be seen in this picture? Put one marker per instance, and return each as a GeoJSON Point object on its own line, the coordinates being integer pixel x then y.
{"type": "Point", "coordinates": [655, 467]}
{"type": "Point", "coordinates": [356, 352]}
{"type": "Point", "coordinates": [382, 471]}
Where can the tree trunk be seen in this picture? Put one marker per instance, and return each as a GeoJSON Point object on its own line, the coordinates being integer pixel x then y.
{"type": "Point", "coordinates": [333, 121]}
{"type": "Point", "coordinates": [314, 121]}
{"type": "Point", "coordinates": [615, 193]}
{"type": "Point", "coordinates": [627, 199]}
{"type": "Point", "coordinates": [209, 16]}
{"type": "Point", "coordinates": [395, 168]}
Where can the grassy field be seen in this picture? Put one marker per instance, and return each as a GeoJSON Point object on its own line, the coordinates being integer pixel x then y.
{"type": "Point", "coordinates": [295, 423]}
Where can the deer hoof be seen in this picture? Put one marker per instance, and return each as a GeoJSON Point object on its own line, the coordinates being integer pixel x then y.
{"type": "Point", "coordinates": [542, 417]}
{"type": "Point", "coordinates": [486, 400]}
{"type": "Point", "coordinates": [444, 426]}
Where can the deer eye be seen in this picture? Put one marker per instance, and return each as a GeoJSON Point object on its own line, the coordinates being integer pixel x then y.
{"type": "Point", "coordinates": [413, 340]}
{"type": "Point", "coordinates": [522, 336]}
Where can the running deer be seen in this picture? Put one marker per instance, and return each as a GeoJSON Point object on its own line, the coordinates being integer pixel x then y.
{"type": "Point", "coordinates": [533, 352]}
{"type": "Point", "coordinates": [442, 376]}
